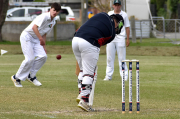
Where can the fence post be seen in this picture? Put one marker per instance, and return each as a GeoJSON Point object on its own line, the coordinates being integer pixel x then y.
{"type": "Point", "coordinates": [141, 30]}
{"type": "Point", "coordinates": [55, 31]}
{"type": "Point", "coordinates": [175, 29]}
{"type": "Point", "coordinates": [164, 27]}
{"type": "Point", "coordinates": [133, 29]}
{"type": "Point", "coordinates": [84, 7]}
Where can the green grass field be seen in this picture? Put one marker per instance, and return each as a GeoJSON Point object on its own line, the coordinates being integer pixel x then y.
{"type": "Point", "coordinates": [159, 85]}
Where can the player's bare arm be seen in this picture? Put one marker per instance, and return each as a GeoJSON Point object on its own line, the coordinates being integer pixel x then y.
{"type": "Point", "coordinates": [44, 38]}
{"type": "Point", "coordinates": [127, 32]}
{"type": "Point", "coordinates": [36, 31]}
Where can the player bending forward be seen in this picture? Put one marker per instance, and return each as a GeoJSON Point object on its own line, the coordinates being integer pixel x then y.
{"type": "Point", "coordinates": [97, 31]}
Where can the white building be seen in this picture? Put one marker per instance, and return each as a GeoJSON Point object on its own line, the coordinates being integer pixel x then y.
{"type": "Point", "coordinates": [64, 1]}
{"type": "Point", "coordinates": [137, 8]}
{"type": "Point", "coordinates": [26, 3]}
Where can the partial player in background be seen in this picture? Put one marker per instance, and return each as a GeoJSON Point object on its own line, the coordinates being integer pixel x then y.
{"type": "Point", "coordinates": [119, 44]}
{"type": "Point", "coordinates": [97, 31]}
{"type": "Point", "coordinates": [33, 40]}
{"type": "Point", "coordinates": [90, 13]}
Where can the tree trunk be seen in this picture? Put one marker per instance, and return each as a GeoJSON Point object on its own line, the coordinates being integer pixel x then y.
{"type": "Point", "coordinates": [3, 10]}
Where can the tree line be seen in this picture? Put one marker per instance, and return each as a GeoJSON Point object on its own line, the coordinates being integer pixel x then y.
{"type": "Point", "coordinates": [167, 8]}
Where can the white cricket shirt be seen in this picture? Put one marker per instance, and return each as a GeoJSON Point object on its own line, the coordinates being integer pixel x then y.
{"type": "Point", "coordinates": [122, 35]}
{"type": "Point", "coordinates": [44, 24]}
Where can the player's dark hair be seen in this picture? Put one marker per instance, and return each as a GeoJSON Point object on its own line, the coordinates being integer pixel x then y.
{"type": "Point", "coordinates": [56, 6]}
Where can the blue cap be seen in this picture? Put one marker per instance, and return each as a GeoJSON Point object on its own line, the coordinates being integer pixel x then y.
{"type": "Point", "coordinates": [117, 2]}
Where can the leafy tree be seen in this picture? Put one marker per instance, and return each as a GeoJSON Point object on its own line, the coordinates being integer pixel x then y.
{"type": "Point", "coordinates": [100, 5]}
{"type": "Point", "coordinates": [3, 10]}
{"type": "Point", "coordinates": [103, 5]}
{"type": "Point", "coordinates": [169, 12]}
{"type": "Point", "coordinates": [160, 4]}
{"type": "Point", "coordinates": [153, 1]}
{"type": "Point", "coordinates": [173, 6]}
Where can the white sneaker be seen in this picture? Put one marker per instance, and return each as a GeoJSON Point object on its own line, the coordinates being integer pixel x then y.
{"type": "Point", "coordinates": [78, 98]}
{"type": "Point", "coordinates": [107, 79]}
{"type": "Point", "coordinates": [17, 82]}
{"type": "Point", "coordinates": [85, 106]}
{"type": "Point", "coordinates": [34, 81]}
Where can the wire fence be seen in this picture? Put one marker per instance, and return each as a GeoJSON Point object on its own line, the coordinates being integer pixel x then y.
{"type": "Point", "coordinates": [168, 28]}
{"type": "Point", "coordinates": [158, 28]}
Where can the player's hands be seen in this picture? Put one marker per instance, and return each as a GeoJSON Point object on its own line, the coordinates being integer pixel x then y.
{"type": "Point", "coordinates": [45, 49]}
{"type": "Point", "coordinates": [127, 42]}
{"type": "Point", "coordinates": [42, 42]}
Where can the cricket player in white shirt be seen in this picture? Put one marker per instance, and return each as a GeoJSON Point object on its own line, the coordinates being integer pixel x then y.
{"type": "Point", "coordinates": [118, 44]}
{"type": "Point", "coordinates": [33, 40]}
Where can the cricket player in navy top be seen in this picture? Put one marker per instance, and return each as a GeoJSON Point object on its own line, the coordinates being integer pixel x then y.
{"type": "Point", "coordinates": [96, 32]}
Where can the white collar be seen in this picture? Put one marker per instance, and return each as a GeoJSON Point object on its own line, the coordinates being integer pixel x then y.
{"type": "Point", "coordinates": [119, 13]}
{"type": "Point", "coordinates": [49, 17]}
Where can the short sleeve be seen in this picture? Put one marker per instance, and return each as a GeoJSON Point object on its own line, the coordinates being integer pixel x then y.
{"type": "Point", "coordinates": [39, 20]}
{"type": "Point", "coordinates": [126, 22]}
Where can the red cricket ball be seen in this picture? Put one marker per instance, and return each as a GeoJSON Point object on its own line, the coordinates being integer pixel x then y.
{"type": "Point", "coordinates": [58, 57]}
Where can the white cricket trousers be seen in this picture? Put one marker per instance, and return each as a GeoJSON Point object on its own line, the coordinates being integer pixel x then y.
{"type": "Point", "coordinates": [34, 54]}
{"type": "Point", "coordinates": [87, 56]}
{"type": "Point", "coordinates": [111, 49]}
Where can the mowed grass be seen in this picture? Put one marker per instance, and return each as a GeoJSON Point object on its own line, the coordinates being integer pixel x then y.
{"type": "Point", "coordinates": [159, 86]}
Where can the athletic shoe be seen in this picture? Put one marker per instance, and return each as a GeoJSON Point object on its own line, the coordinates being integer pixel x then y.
{"type": "Point", "coordinates": [17, 82]}
{"type": "Point", "coordinates": [34, 81]}
{"type": "Point", "coordinates": [107, 79]}
{"type": "Point", "coordinates": [78, 98]}
{"type": "Point", "coordinates": [85, 106]}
